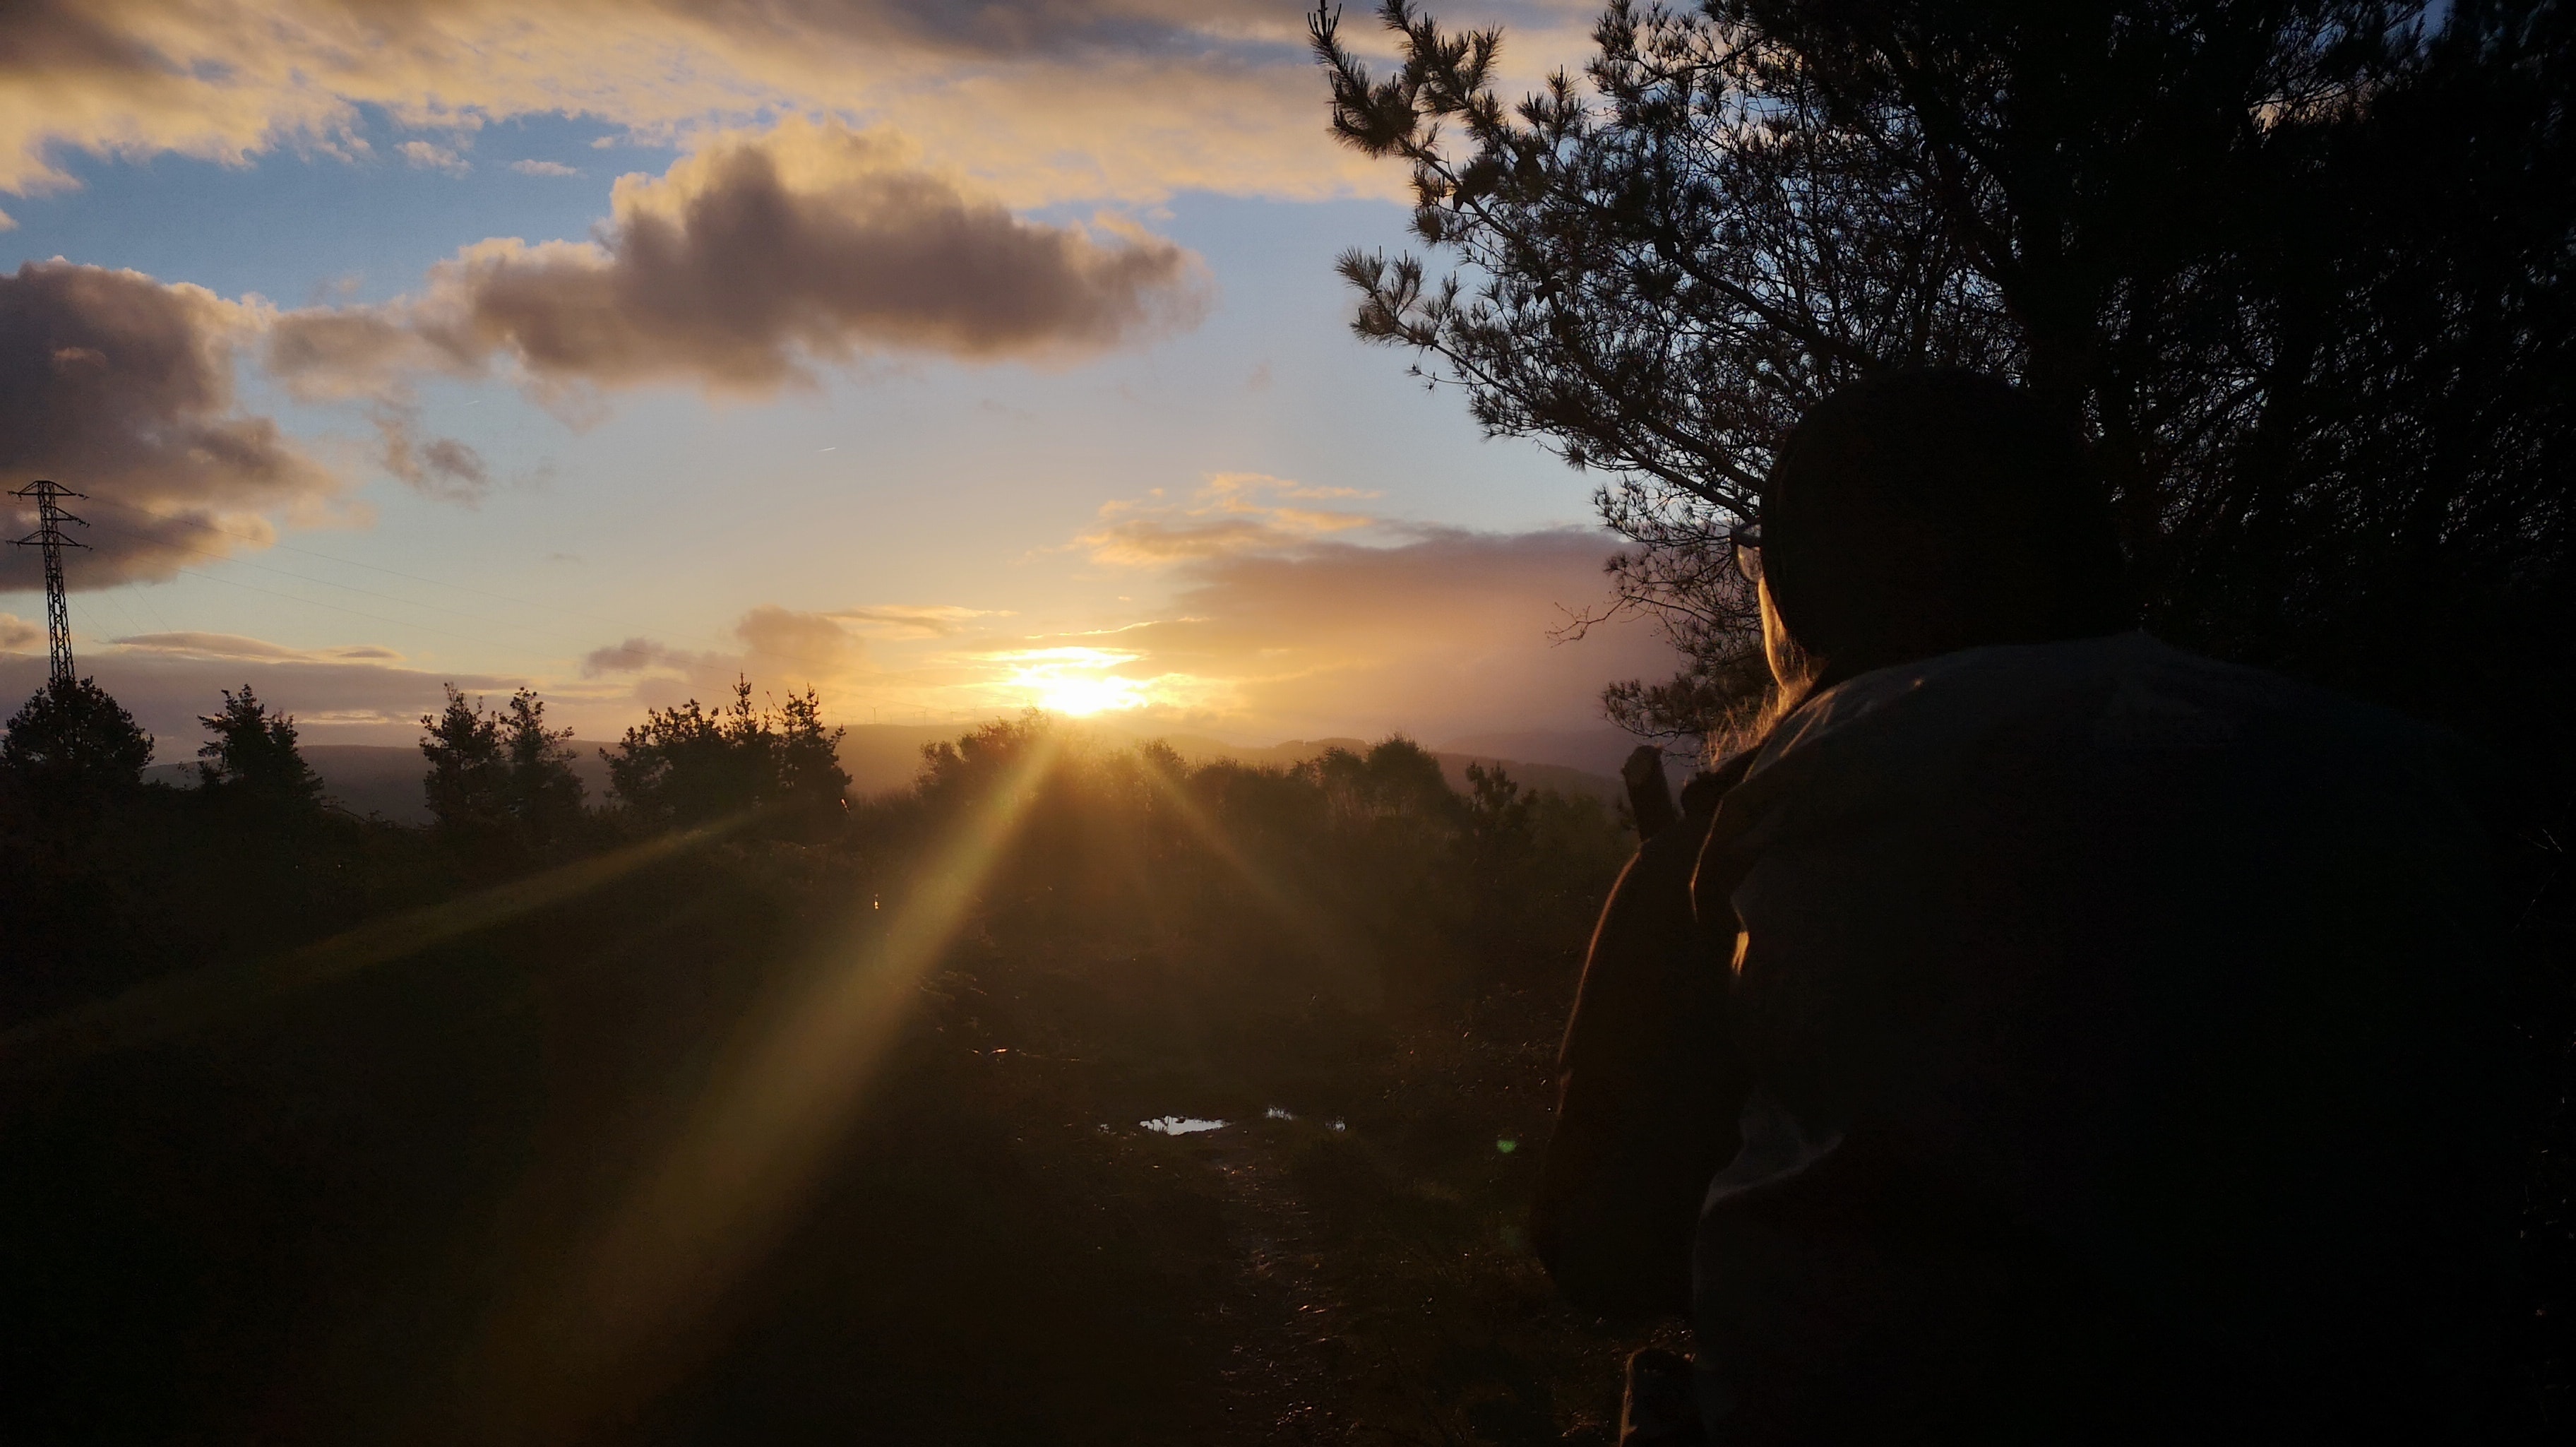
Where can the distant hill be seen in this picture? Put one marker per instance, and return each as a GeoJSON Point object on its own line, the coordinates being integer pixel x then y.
{"type": "Point", "coordinates": [384, 779]}
{"type": "Point", "coordinates": [1598, 750]}
{"type": "Point", "coordinates": [880, 757]}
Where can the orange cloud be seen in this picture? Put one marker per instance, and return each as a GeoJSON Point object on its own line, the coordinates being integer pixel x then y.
{"type": "Point", "coordinates": [1234, 512]}
{"type": "Point", "coordinates": [1447, 634]}
{"type": "Point", "coordinates": [1296, 634]}
{"type": "Point", "coordinates": [1045, 100]}
{"type": "Point", "coordinates": [913, 620]}
{"type": "Point", "coordinates": [1451, 632]}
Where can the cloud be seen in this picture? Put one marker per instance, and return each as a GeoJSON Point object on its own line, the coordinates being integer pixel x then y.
{"type": "Point", "coordinates": [427, 156]}
{"type": "Point", "coordinates": [635, 655]}
{"type": "Point", "coordinates": [903, 620]}
{"type": "Point", "coordinates": [235, 646]}
{"type": "Point", "coordinates": [439, 467]}
{"type": "Point", "coordinates": [1046, 100]}
{"type": "Point", "coordinates": [796, 648]}
{"type": "Point", "coordinates": [1438, 634]}
{"type": "Point", "coordinates": [1234, 512]}
{"type": "Point", "coordinates": [1442, 633]}
{"type": "Point", "coordinates": [543, 168]}
{"type": "Point", "coordinates": [359, 693]}
{"type": "Point", "coordinates": [754, 258]}
{"type": "Point", "coordinates": [1451, 632]}
{"type": "Point", "coordinates": [1447, 633]}
{"type": "Point", "coordinates": [121, 387]}
{"type": "Point", "coordinates": [776, 648]}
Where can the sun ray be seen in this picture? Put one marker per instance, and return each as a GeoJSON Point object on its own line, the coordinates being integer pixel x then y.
{"type": "Point", "coordinates": [179, 1003]}
{"type": "Point", "coordinates": [1279, 899]}
{"type": "Point", "coordinates": [734, 1171]}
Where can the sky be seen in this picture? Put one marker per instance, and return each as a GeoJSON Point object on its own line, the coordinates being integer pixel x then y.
{"type": "Point", "coordinates": [945, 358]}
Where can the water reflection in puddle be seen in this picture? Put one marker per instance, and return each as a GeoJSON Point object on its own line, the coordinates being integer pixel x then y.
{"type": "Point", "coordinates": [1192, 1125]}
{"type": "Point", "coordinates": [1181, 1125]}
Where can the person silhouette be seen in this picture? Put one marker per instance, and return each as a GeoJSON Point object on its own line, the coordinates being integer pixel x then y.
{"type": "Point", "coordinates": [2043, 1033]}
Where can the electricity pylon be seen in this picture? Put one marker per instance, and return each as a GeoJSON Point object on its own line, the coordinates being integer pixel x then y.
{"type": "Point", "coordinates": [48, 535]}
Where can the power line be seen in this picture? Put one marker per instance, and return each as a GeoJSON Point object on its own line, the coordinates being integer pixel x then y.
{"type": "Point", "coordinates": [301, 578]}
{"type": "Point", "coordinates": [145, 604]}
{"type": "Point", "coordinates": [362, 613]}
{"type": "Point", "coordinates": [110, 595]}
{"type": "Point", "coordinates": [144, 540]}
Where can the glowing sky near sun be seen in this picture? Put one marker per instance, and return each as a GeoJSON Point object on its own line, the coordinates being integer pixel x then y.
{"type": "Point", "coordinates": [946, 359]}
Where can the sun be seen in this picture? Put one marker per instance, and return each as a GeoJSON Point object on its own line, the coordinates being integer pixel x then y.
{"type": "Point", "coordinates": [1078, 696]}
{"type": "Point", "coordinates": [1077, 681]}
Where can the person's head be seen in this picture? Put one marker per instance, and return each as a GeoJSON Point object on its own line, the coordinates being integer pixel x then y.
{"type": "Point", "coordinates": [1915, 513]}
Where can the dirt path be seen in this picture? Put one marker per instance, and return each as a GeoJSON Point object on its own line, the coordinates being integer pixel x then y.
{"type": "Point", "coordinates": [1282, 1381]}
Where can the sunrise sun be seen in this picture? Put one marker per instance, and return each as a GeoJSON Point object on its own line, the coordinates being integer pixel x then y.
{"type": "Point", "coordinates": [1077, 681]}
{"type": "Point", "coordinates": [1101, 694]}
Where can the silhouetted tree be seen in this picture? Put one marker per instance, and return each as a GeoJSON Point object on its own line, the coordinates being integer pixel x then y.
{"type": "Point", "coordinates": [72, 745]}
{"type": "Point", "coordinates": [2301, 268]}
{"type": "Point", "coordinates": [466, 782]}
{"type": "Point", "coordinates": [808, 757]}
{"type": "Point", "coordinates": [544, 794]}
{"type": "Point", "coordinates": [1397, 779]}
{"type": "Point", "coordinates": [954, 772]}
{"type": "Point", "coordinates": [499, 773]}
{"type": "Point", "coordinates": [692, 764]}
{"type": "Point", "coordinates": [251, 756]}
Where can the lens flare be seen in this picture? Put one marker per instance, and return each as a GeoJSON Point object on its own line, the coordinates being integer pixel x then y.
{"type": "Point", "coordinates": [1275, 895]}
{"type": "Point", "coordinates": [176, 1004]}
{"type": "Point", "coordinates": [743, 1160]}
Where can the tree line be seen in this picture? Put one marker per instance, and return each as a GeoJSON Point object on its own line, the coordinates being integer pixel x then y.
{"type": "Point", "coordinates": [492, 775]}
{"type": "Point", "coordinates": [1361, 875]}
{"type": "Point", "coordinates": [111, 877]}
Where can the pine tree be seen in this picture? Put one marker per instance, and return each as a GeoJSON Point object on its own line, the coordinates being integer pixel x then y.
{"type": "Point", "coordinates": [252, 756]}
{"type": "Point", "coordinates": [808, 756]}
{"type": "Point", "coordinates": [692, 764]}
{"type": "Point", "coordinates": [496, 775]}
{"type": "Point", "coordinates": [544, 795]}
{"type": "Point", "coordinates": [465, 785]}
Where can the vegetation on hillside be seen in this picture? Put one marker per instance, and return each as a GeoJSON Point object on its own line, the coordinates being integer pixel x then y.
{"type": "Point", "coordinates": [306, 1109]}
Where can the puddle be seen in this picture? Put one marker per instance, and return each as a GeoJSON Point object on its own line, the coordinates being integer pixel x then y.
{"type": "Point", "coordinates": [1192, 1125]}
{"type": "Point", "coordinates": [1181, 1125]}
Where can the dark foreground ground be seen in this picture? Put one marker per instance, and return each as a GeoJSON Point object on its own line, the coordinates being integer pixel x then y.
{"type": "Point", "coordinates": [342, 1212]}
